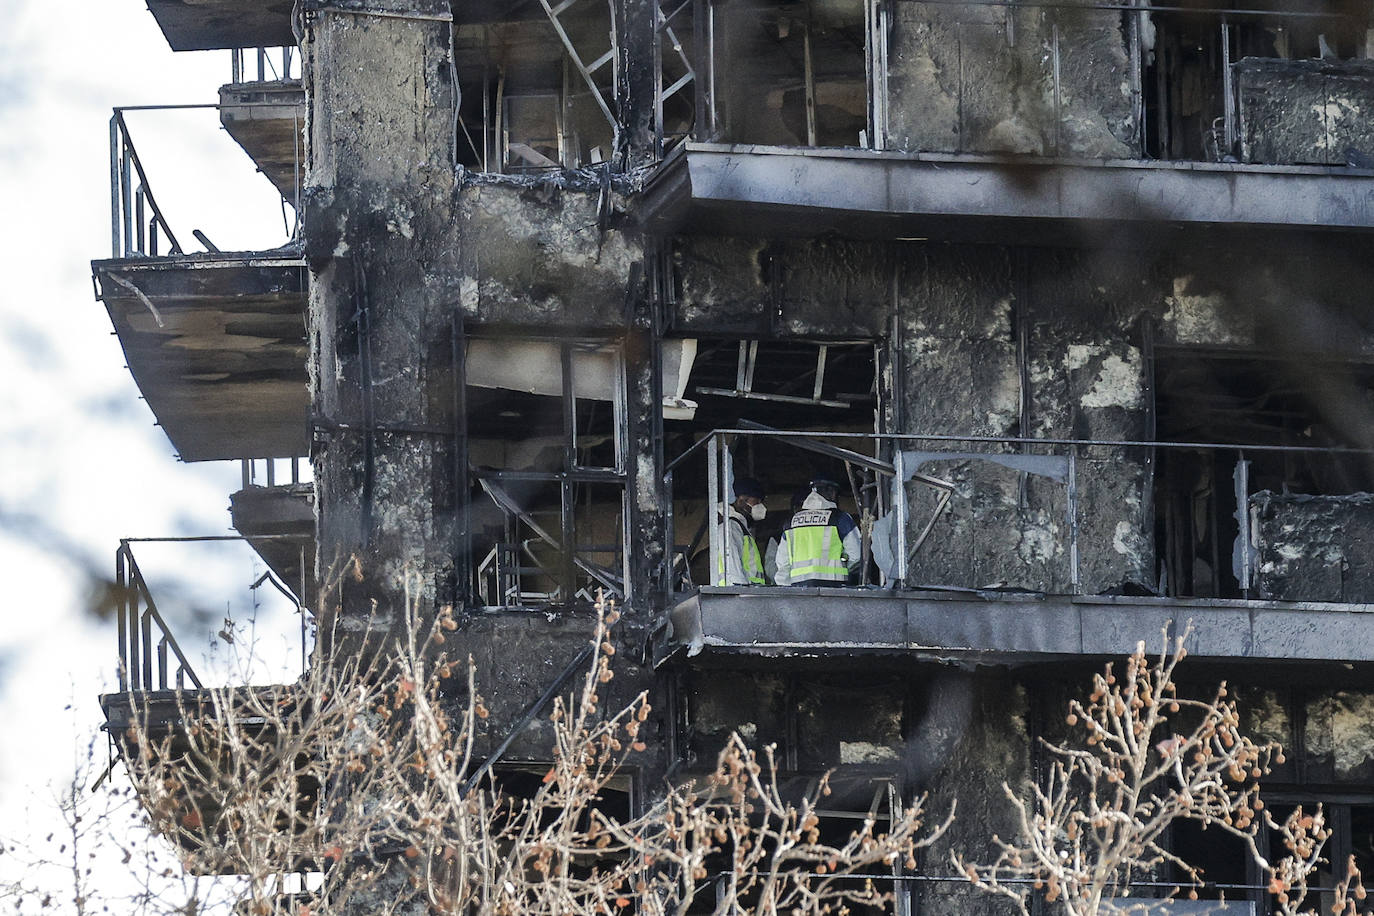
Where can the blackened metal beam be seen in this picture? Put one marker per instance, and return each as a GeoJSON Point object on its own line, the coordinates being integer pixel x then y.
{"type": "Point", "coordinates": [544, 699]}
{"type": "Point", "coordinates": [1002, 629]}
{"type": "Point", "coordinates": [866, 194]}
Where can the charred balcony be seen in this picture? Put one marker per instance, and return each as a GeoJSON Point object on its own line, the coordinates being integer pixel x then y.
{"type": "Point", "coordinates": [216, 343]}
{"type": "Point", "coordinates": [165, 688]}
{"type": "Point", "coordinates": [1042, 84]}
{"type": "Point", "coordinates": [717, 188]}
{"type": "Point", "coordinates": [215, 340]}
{"type": "Point", "coordinates": [277, 517]}
{"type": "Point", "coordinates": [150, 728]}
{"type": "Point", "coordinates": [263, 108]}
{"type": "Point", "coordinates": [994, 628]}
{"type": "Point", "coordinates": [1117, 557]}
{"type": "Point", "coordinates": [196, 25]}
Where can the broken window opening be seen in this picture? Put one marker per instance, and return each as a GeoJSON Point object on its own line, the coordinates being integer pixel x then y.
{"type": "Point", "coordinates": [526, 105]}
{"type": "Point", "coordinates": [682, 92]}
{"type": "Point", "coordinates": [823, 386]}
{"type": "Point", "coordinates": [1223, 863]}
{"type": "Point", "coordinates": [792, 74]}
{"type": "Point", "coordinates": [1248, 399]}
{"type": "Point", "coordinates": [1222, 88]}
{"type": "Point", "coordinates": [546, 440]}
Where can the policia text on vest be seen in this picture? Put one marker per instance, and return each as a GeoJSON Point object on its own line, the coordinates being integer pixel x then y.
{"type": "Point", "coordinates": [818, 547]}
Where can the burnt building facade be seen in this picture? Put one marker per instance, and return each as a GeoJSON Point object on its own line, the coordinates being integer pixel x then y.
{"type": "Point", "coordinates": [1071, 298]}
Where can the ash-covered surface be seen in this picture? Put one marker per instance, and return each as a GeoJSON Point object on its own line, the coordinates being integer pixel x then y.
{"type": "Point", "coordinates": [1306, 112]}
{"type": "Point", "coordinates": [982, 79]}
{"type": "Point", "coordinates": [1081, 375]}
{"type": "Point", "coordinates": [1314, 548]}
{"type": "Point", "coordinates": [544, 255]}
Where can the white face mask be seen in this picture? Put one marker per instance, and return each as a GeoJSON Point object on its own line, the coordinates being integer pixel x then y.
{"type": "Point", "coordinates": [758, 512]}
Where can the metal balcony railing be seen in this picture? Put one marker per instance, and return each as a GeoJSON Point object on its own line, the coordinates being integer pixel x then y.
{"type": "Point", "coordinates": [900, 504]}
{"type": "Point", "coordinates": [264, 471]}
{"type": "Point", "coordinates": [139, 226]}
{"type": "Point", "coordinates": [150, 657]}
{"type": "Point", "coordinates": [135, 218]}
{"type": "Point", "coordinates": [144, 637]}
{"type": "Point", "coordinates": [263, 65]}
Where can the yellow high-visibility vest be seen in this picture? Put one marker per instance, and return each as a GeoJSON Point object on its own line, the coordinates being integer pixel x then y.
{"type": "Point", "coordinates": [751, 561]}
{"type": "Point", "coordinates": [815, 549]}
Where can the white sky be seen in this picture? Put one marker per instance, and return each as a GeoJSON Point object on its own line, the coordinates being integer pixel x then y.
{"type": "Point", "coordinates": [81, 463]}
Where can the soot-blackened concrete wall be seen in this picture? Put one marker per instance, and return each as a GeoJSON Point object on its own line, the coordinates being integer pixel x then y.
{"type": "Point", "coordinates": [982, 79]}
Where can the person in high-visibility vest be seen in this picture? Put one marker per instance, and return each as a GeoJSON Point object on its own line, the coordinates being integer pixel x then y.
{"type": "Point", "coordinates": [743, 564]}
{"type": "Point", "coordinates": [821, 544]}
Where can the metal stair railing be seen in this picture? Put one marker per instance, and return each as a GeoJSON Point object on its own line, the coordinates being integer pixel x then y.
{"type": "Point", "coordinates": [587, 70]}
{"type": "Point", "coordinates": [663, 27]}
{"type": "Point", "coordinates": [135, 218]}
{"type": "Point", "coordinates": [143, 665]}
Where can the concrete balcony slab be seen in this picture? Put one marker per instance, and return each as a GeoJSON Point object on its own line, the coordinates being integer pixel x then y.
{"type": "Point", "coordinates": [216, 343]}
{"type": "Point", "coordinates": [753, 190]}
{"type": "Point", "coordinates": [268, 121]}
{"type": "Point", "coordinates": [1008, 629]}
{"type": "Point", "coordinates": [202, 25]}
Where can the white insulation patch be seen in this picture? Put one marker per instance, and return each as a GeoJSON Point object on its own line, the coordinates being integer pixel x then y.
{"type": "Point", "coordinates": [1079, 355]}
{"type": "Point", "coordinates": [1206, 318]}
{"type": "Point", "coordinates": [865, 752]}
{"type": "Point", "coordinates": [1118, 382]}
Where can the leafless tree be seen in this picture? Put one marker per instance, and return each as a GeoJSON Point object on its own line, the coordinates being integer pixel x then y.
{"type": "Point", "coordinates": [1138, 759]}
{"type": "Point", "coordinates": [97, 857]}
{"type": "Point", "coordinates": [367, 773]}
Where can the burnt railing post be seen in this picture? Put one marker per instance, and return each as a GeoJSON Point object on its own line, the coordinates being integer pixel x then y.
{"type": "Point", "coordinates": [137, 617]}
{"type": "Point", "coordinates": [136, 221]}
{"type": "Point", "coordinates": [122, 618]}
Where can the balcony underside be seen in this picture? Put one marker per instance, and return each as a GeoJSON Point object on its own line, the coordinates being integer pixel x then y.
{"type": "Point", "coordinates": [486, 12]}
{"type": "Point", "coordinates": [222, 361]}
{"type": "Point", "coordinates": [268, 121]}
{"type": "Point", "coordinates": [158, 720]}
{"type": "Point", "coordinates": [749, 190]}
{"type": "Point", "coordinates": [280, 524]}
{"type": "Point", "coordinates": [1003, 629]}
{"type": "Point", "coordinates": [202, 25]}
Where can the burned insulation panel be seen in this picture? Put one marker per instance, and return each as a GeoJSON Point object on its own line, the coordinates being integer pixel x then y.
{"type": "Point", "coordinates": [1044, 81]}
{"type": "Point", "coordinates": [536, 254]}
{"type": "Point", "coordinates": [1314, 548]}
{"type": "Point", "coordinates": [1298, 112]}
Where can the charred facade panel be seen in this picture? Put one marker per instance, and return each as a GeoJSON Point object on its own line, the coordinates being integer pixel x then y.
{"type": "Point", "coordinates": [1030, 80]}
{"type": "Point", "coordinates": [539, 255]}
{"type": "Point", "coordinates": [724, 285]}
{"type": "Point", "coordinates": [1313, 548]}
{"type": "Point", "coordinates": [1306, 112]}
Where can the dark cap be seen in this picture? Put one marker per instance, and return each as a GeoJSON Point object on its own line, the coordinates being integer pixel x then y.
{"type": "Point", "coordinates": [748, 486]}
{"type": "Point", "coordinates": [824, 483]}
